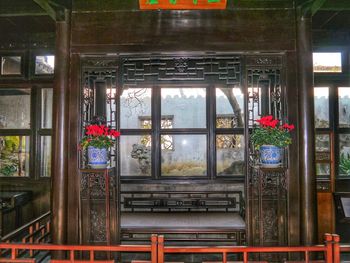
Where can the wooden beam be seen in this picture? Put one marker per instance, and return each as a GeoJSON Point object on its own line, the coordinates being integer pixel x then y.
{"type": "Point", "coordinates": [316, 5]}
{"type": "Point", "coordinates": [46, 6]}
{"type": "Point", "coordinates": [338, 5]}
{"type": "Point", "coordinates": [20, 8]}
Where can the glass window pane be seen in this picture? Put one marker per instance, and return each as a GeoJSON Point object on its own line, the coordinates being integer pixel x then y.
{"type": "Point", "coordinates": [14, 109]}
{"type": "Point", "coordinates": [229, 154]}
{"type": "Point", "coordinates": [327, 62]}
{"type": "Point", "coordinates": [135, 105]}
{"type": "Point", "coordinates": [344, 107]}
{"type": "Point", "coordinates": [46, 108]}
{"type": "Point", "coordinates": [135, 155]}
{"type": "Point", "coordinates": [44, 65]}
{"type": "Point", "coordinates": [321, 101]}
{"type": "Point", "coordinates": [14, 156]}
{"type": "Point", "coordinates": [322, 147]}
{"type": "Point", "coordinates": [344, 154]}
{"type": "Point", "coordinates": [229, 108]}
{"type": "Point", "coordinates": [323, 170]}
{"type": "Point", "coordinates": [188, 157]}
{"type": "Point", "coordinates": [45, 154]}
{"type": "Point", "coordinates": [180, 102]}
{"type": "Point", "coordinates": [11, 65]}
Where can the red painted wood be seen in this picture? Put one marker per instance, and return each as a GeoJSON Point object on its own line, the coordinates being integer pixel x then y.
{"type": "Point", "coordinates": [181, 4]}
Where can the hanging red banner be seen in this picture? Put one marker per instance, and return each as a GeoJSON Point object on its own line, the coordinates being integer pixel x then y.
{"type": "Point", "coordinates": [182, 4]}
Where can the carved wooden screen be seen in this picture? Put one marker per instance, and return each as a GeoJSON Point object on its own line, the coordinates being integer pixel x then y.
{"type": "Point", "coordinates": [99, 95]}
{"type": "Point", "coordinates": [267, 188]}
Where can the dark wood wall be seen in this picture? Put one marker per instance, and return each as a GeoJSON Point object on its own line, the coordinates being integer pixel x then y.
{"type": "Point", "coordinates": [113, 27]}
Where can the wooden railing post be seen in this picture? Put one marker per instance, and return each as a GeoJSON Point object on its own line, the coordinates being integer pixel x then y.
{"type": "Point", "coordinates": [329, 248]}
{"type": "Point", "coordinates": [336, 248]}
{"type": "Point", "coordinates": [154, 244]}
{"type": "Point", "coordinates": [160, 249]}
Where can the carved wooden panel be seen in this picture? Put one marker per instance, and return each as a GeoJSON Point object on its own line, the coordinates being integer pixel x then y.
{"type": "Point", "coordinates": [99, 215]}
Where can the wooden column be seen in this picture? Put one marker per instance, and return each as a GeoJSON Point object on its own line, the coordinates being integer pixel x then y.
{"type": "Point", "coordinates": [60, 132]}
{"type": "Point", "coordinates": [308, 199]}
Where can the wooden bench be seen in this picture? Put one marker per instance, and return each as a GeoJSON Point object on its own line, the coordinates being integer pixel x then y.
{"type": "Point", "coordinates": [184, 216]}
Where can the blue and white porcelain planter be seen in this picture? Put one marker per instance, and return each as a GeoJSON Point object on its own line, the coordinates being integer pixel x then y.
{"type": "Point", "coordinates": [270, 156]}
{"type": "Point", "coordinates": [97, 158]}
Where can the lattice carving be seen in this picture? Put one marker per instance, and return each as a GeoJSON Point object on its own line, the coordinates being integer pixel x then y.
{"type": "Point", "coordinates": [98, 225]}
{"type": "Point", "coordinates": [221, 69]}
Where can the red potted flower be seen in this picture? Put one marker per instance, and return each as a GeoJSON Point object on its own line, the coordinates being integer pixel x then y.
{"type": "Point", "coordinates": [270, 137]}
{"type": "Point", "coordinates": [98, 138]}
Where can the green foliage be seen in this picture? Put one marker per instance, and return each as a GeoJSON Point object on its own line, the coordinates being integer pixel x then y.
{"type": "Point", "coordinates": [97, 142]}
{"type": "Point", "coordinates": [270, 136]}
{"type": "Point", "coordinates": [344, 164]}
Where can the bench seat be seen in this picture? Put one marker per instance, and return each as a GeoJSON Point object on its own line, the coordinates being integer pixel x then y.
{"type": "Point", "coordinates": [181, 220]}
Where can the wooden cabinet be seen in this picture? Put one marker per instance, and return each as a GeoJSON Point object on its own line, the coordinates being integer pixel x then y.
{"type": "Point", "coordinates": [99, 206]}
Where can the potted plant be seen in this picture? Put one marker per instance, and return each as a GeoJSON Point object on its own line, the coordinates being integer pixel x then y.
{"type": "Point", "coordinates": [98, 138]}
{"type": "Point", "coordinates": [269, 138]}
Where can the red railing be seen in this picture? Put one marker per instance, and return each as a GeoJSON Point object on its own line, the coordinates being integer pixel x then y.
{"type": "Point", "coordinates": [244, 251]}
{"type": "Point", "coordinates": [36, 231]}
{"type": "Point", "coordinates": [73, 257]}
{"type": "Point", "coordinates": [330, 251]}
{"type": "Point", "coordinates": [338, 248]}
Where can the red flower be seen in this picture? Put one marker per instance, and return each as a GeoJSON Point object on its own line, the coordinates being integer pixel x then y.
{"type": "Point", "coordinates": [288, 127]}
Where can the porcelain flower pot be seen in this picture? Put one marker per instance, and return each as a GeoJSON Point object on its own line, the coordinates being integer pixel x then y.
{"type": "Point", "coordinates": [97, 158]}
{"type": "Point", "coordinates": [270, 156]}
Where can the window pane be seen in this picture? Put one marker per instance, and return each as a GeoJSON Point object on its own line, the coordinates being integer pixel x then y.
{"type": "Point", "coordinates": [344, 107]}
{"type": "Point", "coordinates": [14, 109]}
{"type": "Point", "coordinates": [327, 62]}
{"type": "Point", "coordinates": [188, 157]}
{"type": "Point", "coordinates": [44, 65]}
{"type": "Point", "coordinates": [181, 102]}
{"type": "Point", "coordinates": [46, 108]}
{"type": "Point", "coordinates": [135, 155]}
{"type": "Point", "coordinates": [344, 154]}
{"type": "Point", "coordinates": [11, 65]}
{"type": "Point", "coordinates": [230, 154]}
{"type": "Point", "coordinates": [14, 156]}
{"type": "Point", "coordinates": [229, 108]}
{"type": "Point", "coordinates": [135, 103]}
{"type": "Point", "coordinates": [323, 170]}
{"type": "Point", "coordinates": [322, 147]}
{"type": "Point", "coordinates": [321, 100]}
{"type": "Point", "coordinates": [45, 153]}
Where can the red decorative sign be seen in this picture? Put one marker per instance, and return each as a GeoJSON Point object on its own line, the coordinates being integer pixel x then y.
{"type": "Point", "coordinates": [182, 4]}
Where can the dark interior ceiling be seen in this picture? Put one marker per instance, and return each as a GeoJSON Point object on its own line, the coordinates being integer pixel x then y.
{"type": "Point", "coordinates": [22, 18]}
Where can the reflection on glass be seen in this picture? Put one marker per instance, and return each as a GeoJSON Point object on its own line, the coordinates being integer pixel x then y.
{"type": "Point", "coordinates": [14, 156]}
{"type": "Point", "coordinates": [327, 62]}
{"type": "Point", "coordinates": [11, 65]}
{"type": "Point", "coordinates": [135, 156]}
{"type": "Point", "coordinates": [344, 154]}
{"type": "Point", "coordinates": [322, 147]}
{"type": "Point", "coordinates": [44, 65]}
{"type": "Point", "coordinates": [321, 101]}
{"type": "Point", "coordinates": [45, 153]}
{"type": "Point", "coordinates": [344, 107]}
{"type": "Point", "coordinates": [323, 169]}
{"type": "Point", "coordinates": [188, 102]}
{"type": "Point", "coordinates": [230, 154]}
{"type": "Point", "coordinates": [14, 109]}
{"type": "Point", "coordinates": [229, 108]}
{"type": "Point", "coordinates": [46, 108]}
{"type": "Point", "coordinates": [135, 104]}
{"type": "Point", "coordinates": [188, 157]}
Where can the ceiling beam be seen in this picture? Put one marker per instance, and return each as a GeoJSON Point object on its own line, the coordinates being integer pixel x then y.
{"type": "Point", "coordinates": [55, 8]}
{"type": "Point", "coordinates": [20, 8]}
{"type": "Point", "coordinates": [317, 5]}
{"type": "Point", "coordinates": [47, 7]}
{"type": "Point", "coordinates": [337, 5]}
